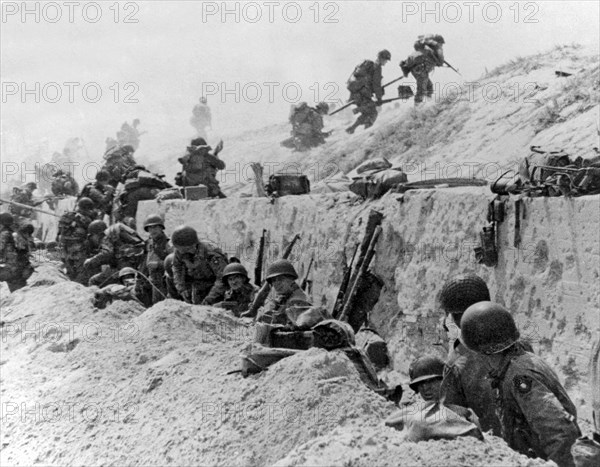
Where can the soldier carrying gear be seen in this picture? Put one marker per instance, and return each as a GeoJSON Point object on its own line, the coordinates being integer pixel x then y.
{"type": "Point", "coordinates": [22, 195]}
{"type": "Point", "coordinates": [428, 54]}
{"type": "Point", "coordinates": [11, 265]}
{"type": "Point", "coordinates": [307, 126]}
{"type": "Point", "coordinates": [100, 192]}
{"type": "Point", "coordinates": [157, 249]}
{"type": "Point", "coordinates": [363, 84]}
{"type": "Point", "coordinates": [286, 293]}
{"type": "Point", "coordinates": [63, 184]}
{"type": "Point", "coordinates": [465, 381]}
{"type": "Point", "coordinates": [538, 418]}
{"type": "Point", "coordinates": [72, 236]}
{"type": "Point", "coordinates": [197, 268]}
{"type": "Point", "coordinates": [118, 161]}
{"type": "Point", "coordinates": [121, 247]}
{"type": "Point", "coordinates": [240, 293]}
{"type": "Point", "coordinates": [200, 166]}
{"type": "Point", "coordinates": [93, 243]}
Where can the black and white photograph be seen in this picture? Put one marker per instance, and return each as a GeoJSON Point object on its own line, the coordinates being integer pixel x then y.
{"type": "Point", "coordinates": [300, 233]}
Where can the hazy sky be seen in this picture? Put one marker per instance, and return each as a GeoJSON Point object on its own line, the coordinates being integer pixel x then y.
{"type": "Point", "coordinates": [163, 54]}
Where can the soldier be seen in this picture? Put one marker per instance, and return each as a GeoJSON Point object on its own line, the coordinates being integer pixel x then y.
{"type": "Point", "coordinates": [72, 236]}
{"type": "Point", "coordinates": [538, 418]}
{"type": "Point", "coordinates": [427, 55]}
{"type": "Point", "coordinates": [286, 293]}
{"type": "Point", "coordinates": [363, 84]}
{"type": "Point", "coordinates": [63, 184]}
{"type": "Point", "coordinates": [307, 126]}
{"type": "Point", "coordinates": [24, 245]}
{"type": "Point", "coordinates": [201, 118]}
{"type": "Point", "coordinates": [125, 291]}
{"type": "Point", "coordinates": [197, 267]}
{"type": "Point", "coordinates": [200, 166]}
{"type": "Point", "coordinates": [93, 243]}
{"type": "Point", "coordinates": [10, 261]}
{"type": "Point", "coordinates": [465, 373]}
{"type": "Point", "coordinates": [157, 249]}
{"type": "Point", "coordinates": [118, 161]}
{"type": "Point", "coordinates": [169, 280]}
{"type": "Point", "coordinates": [100, 192]}
{"type": "Point", "coordinates": [121, 247]}
{"type": "Point", "coordinates": [22, 195]}
{"type": "Point", "coordinates": [240, 293]}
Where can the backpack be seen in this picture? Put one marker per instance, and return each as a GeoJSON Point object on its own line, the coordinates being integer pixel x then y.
{"type": "Point", "coordinates": [360, 76]}
{"type": "Point", "coordinates": [70, 227]}
{"type": "Point", "coordinates": [376, 183]}
{"type": "Point", "coordinates": [299, 113]}
{"type": "Point", "coordinates": [282, 185]}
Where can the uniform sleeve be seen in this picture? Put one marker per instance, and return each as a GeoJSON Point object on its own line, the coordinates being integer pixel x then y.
{"type": "Point", "coordinates": [105, 255]}
{"type": "Point", "coordinates": [452, 390]}
{"type": "Point", "coordinates": [178, 273]}
{"type": "Point", "coordinates": [217, 263]}
{"type": "Point", "coordinates": [555, 428]}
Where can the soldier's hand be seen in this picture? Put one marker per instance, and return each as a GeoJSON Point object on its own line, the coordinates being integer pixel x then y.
{"type": "Point", "coordinates": [187, 296]}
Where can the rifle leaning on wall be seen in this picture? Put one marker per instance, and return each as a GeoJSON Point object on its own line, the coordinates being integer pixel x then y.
{"type": "Point", "coordinates": [260, 259]}
{"type": "Point", "coordinates": [305, 282]}
{"type": "Point", "coordinates": [263, 293]}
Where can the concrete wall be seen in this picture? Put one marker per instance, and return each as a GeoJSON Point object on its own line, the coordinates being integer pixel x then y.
{"type": "Point", "coordinates": [550, 282]}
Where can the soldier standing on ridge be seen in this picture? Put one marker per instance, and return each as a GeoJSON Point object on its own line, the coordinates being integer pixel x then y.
{"type": "Point", "coordinates": [200, 166]}
{"type": "Point", "coordinates": [428, 54]}
{"type": "Point", "coordinates": [157, 249]}
{"type": "Point", "coordinates": [201, 118]}
{"type": "Point", "coordinates": [363, 84]}
{"type": "Point", "coordinates": [538, 418]}
{"type": "Point", "coordinates": [307, 126]}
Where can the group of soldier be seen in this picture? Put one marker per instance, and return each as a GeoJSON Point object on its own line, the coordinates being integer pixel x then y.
{"type": "Point", "coordinates": [367, 91]}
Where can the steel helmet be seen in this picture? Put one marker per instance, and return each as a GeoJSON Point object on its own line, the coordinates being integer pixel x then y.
{"type": "Point", "coordinates": [462, 291]}
{"type": "Point", "coordinates": [384, 54]}
{"type": "Point", "coordinates": [425, 369]}
{"type": "Point", "coordinates": [126, 272]}
{"type": "Point", "coordinates": [488, 328]}
{"type": "Point", "coordinates": [152, 220]}
{"type": "Point", "coordinates": [6, 219]}
{"type": "Point", "coordinates": [96, 227]}
{"type": "Point", "coordinates": [85, 204]}
{"type": "Point", "coordinates": [102, 176]}
{"type": "Point", "coordinates": [235, 268]}
{"type": "Point", "coordinates": [184, 236]}
{"type": "Point", "coordinates": [281, 267]}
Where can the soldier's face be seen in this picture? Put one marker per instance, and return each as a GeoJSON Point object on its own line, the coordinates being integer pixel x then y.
{"type": "Point", "coordinates": [154, 231]}
{"type": "Point", "coordinates": [430, 390]}
{"type": "Point", "coordinates": [236, 281]}
{"type": "Point", "coordinates": [282, 284]}
{"type": "Point", "coordinates": [186, 249]}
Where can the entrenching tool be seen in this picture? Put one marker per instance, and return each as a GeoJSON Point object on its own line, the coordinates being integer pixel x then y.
{"type": "Point", "coordinates": [385, 101]}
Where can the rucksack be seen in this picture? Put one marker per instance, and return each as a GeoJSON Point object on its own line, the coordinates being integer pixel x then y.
{"type": "Point", "coordinates": [299, 113]}
{"type": "Point", "coordinates": [360, 76]}
{"type": "Point", "coordinates": [70, 227]}
{"type": "Point", "coordinates": [282, 185]}
{"type": "Point", "coordinates": [376, 183]}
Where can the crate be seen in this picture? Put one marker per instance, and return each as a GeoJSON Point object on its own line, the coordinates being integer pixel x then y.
{"type": "Point", "coordinates": [193, 193]}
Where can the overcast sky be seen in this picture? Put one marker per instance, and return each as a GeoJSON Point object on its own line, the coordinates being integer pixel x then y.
{"type": "Point", "coordinates": [169, 51]}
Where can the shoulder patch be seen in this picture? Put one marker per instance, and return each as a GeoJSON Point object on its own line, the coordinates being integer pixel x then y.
{"type": "Point", "coordinates": [522, 384]}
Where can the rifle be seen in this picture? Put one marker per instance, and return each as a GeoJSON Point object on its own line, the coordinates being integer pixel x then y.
{"type": "Point", "coordinates": [373, 222]}
{"type": "Point", "coordinates": [361, 273]}
{"type": "Point", "coordinates": [385, 101]}
{"type": "Point", "coordinates": [26, 206]}
{"type": "Point", "coordinates": [452, 68]}
{"type": "Point", "coordinates": [305, 281]}
{"type": "Point", "coordinates": [392, 82]}
{"type": "Point", "coordinates": [263, 293]}
{"type": "Point", "coordinates": [339, 301]}
{"type": "Point", "coordinates": [259, 260]}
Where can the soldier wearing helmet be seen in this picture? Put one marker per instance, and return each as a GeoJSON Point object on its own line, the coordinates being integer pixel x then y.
{"type": "Point", "coordinates": [465, 381]}
{"type": "Point", "coordinates": [364, 84]}
{"type": "Point", "coordinates": [100, 192]}
{"type": "Point", "coordinates": [10, 267]}
{"type": "Point", "coordinates": [168, 278]}
{"type": "Point", "coordinates": [22, 195]}
{"type": "Point", "coordinates": [197, 267]}
{"type": "Point", "coordinates": [63, 184]}
{"type": "Point", "coordinates": [286, 293]}
{"type": "Point", "coordinates": [93, 243]}
{"type": "Point", "coordinates": [428, 54]}
{"type": "Point", "coordinates": [307, 126]}
{"type": "Point", "coordinates": [239, 293]}
{"type": "Point", "coordinates": [121, 247]}
{"type": "Point", "coordinates": [201, 118]}
{"type": "Point", "coordinates": [157, 249]}
{"type": "Point", "coordinates": [538, 418]}
{"type": "Point", "coordinates": [72, 236]}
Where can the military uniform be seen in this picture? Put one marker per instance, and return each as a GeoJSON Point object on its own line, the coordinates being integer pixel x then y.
{"type": "Point", "coordinates": [538, 417]}
{"type": "Point", "coordinates": [239, 301]}
{"type": "Point", "coordinates": [101, 195]}
{"type": "Point", "coordinates": [122, 247]}
{"type": "Point", "coordinates": [273, 312]}
{"type": "Point", "coordinates": [366, 82]}
{"type": "Point", "coordinates": [201, 118]}
{"type": "Point", "coordinates": [200, 167]}
{"type": "Point", "coordinates": [427, 55]}
{"type": "Point", "coordinates": [199, 274]}
{"type": "Point", "coordinates": [72, 235]}
{"type": "Point", "coordinates": [63, 184]}
{"type": "Point", "coordinates": [11, 261]}
{"type": "Point", "coordinates": [156, 252]}
{"type": "Point", "coordinates": [465, 383]}
{"type": "Point", "coordinates": [21, 196]}
{"type": "Point", "coordinates": [307, 128]}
